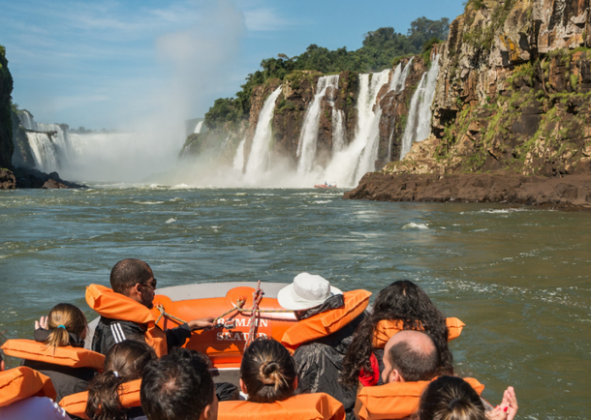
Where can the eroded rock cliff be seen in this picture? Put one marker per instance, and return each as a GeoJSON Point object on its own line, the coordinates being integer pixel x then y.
{"type": "Point", "coordinates": [513, 95]}
{"type": "Point", "coordinates": [6, 145]}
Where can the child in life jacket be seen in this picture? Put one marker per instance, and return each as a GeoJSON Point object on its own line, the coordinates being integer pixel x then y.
{"type": "Point", "coordinates": [268, 377]}
{"type": "Point", "coordinates": [125, 363]}
{"type": "Point", "coordinates": [401, 306]}
{"type": "Point", "coordinates": [58, 350]}
{"type": "Point", "coordinates": [450, 397]}
{"type": "Point", "coordinates": [27, 394]}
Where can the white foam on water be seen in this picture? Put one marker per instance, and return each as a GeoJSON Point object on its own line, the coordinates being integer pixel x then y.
{"type": "Point", "coordinates": [149, 203]}
{"type": "Point", "coordinates": [171, 220]}
{"type": "Point", "coordinates": [413, 225]}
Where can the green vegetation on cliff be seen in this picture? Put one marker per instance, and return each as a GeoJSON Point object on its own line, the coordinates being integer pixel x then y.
{"type": "Point", "coordinates": [380, 49]}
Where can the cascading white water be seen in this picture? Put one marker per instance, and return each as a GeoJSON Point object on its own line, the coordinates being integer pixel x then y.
{"type": "Point", "coordinates": [418, 125]}
{"type": "Point", "coordinates": [309, 135]}
{"type": "Point", "coordinates": [198, 127]}
{"type": "Point", "coordinates": [402, 81]}
{"type": "Point", "coordinates": [338, 130]}
{"type": "Point", "coordinates": [359, 156]}
{"type": "Point", "coordinates": [258, 160]}
{"type": "Point", "coordinates": [238, 162]}
{"type": "Point", "coordinates": [44, 152]}
{"type": "Point", "coordinates": [49, 143]}
{"type": "Point", "coordinates": [397, 84]}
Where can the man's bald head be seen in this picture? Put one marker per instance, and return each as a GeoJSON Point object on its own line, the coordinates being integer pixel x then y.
{"type": "Point", "coordinates": [410, 356]}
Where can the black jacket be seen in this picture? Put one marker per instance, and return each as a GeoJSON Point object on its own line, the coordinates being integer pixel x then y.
{"type": "Point", "coordinates": [109, 332]}
{"type": "Point", "coordinates": [320, 363]}
{"type": "Point", "coordinates": [66, 380]}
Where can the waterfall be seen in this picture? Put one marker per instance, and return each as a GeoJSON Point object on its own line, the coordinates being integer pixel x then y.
{"type": "Point", "coordinates": [258, 161]}
{"type": "Point", "coordinates": [198, 127]}
{"type": "Point", "coordinates": [359, 156]}
{"type": "Point", "coordinates": [338, 130]}
{"type": "Point", "coordinates": [402, 82]}
{"type": "Point", "coordinates": [238, 162]}
{"type": "Point", "coordinates": [397, 84]}
{"type": "Point", "coordinates": [50, 143]}
{"type": "Point", "coordinates": [309, 135]}
{"type": "Point", "coordinates": [418, 125]}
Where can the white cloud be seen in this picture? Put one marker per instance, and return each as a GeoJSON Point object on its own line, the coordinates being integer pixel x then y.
{"type": "Point", "coordinates": [265, 20]}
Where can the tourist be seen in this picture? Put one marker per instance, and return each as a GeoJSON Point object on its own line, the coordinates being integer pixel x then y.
{"type": "Point", "coordinates": [452, 398]}
{"type": "Point", "coordinates": [58, 350]}
{"type": "Point", "coordinates": [134, 280]}
{"type": "Point", "coordinates": [124, 363]}
{"type": "Point", "coordinates": [179, 387]}
{"type": "Point", "coordinates": [411, 361]}
{"type": "Point", "coordinates": [268, 378]}
{"type": "Point", "coordinates": [27, 394]}
{"type": "Point", "coordinates": [401, 306]}
{"type": "Point", "coordinates": [327, 319]}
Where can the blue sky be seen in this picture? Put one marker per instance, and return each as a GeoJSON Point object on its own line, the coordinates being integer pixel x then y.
{"type": "Point", "coordinates": [103, 64]}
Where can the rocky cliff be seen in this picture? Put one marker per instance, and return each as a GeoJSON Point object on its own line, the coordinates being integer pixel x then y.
{"type": "Point", "coordinates": [6, 145]}
{"type": "Point", "coordinates": [513, 94]}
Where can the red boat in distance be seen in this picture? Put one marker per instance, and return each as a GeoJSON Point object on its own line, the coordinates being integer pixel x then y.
{"type": "Point", "coordinates": [326, 185]}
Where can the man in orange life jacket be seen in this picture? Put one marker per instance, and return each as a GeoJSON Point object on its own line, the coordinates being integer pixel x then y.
{"type": "Point", "coordinates": [410, 356]}
{"type": "Point", "coordinates": [319, 362]}
{"type": "Point", "coordinates": [134, 279]}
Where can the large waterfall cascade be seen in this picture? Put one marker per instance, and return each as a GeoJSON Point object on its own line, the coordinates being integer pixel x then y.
{"type": "Point", "coordinates": [309, 135]}
{"type": "Point", "coordinates": [418, 126]}
{"type": "Point", "coordinates": [258, 160]}
{"type": "Point", "coordinates": [50, 143]}
{"type": "Point", "coordinates": [198, 127]}
{"type": "Point", "coordinates": [397, 84]}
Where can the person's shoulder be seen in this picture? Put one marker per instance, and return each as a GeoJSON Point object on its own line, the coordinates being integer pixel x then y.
{"type": "Point", "coordinates": [41, 408]}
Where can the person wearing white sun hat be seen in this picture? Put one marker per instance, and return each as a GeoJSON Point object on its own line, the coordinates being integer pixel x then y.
{"type": "Point", "coordinates": [306, 292]}
{"type": "Point", "coordinates": [319, 357]}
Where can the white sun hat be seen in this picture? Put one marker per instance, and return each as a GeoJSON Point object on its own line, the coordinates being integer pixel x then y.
{"type": "Point", "coordinates": [307, 291]}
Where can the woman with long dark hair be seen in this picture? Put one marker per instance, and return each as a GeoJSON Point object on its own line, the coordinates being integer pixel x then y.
{"type": "Point", "coordinates": [403, 302]}
{"type": "Point", "coordinates": [125, 362]}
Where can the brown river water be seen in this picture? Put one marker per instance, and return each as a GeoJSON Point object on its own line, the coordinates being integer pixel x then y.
{"type": "Point", "coordinates": [519, 278]}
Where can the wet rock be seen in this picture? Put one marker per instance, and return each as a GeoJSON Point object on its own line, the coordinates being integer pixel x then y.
{"type": "Point", "coordinates": [7, 180]}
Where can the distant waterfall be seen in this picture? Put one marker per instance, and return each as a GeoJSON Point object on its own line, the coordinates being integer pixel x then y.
{"type": "Point", "coordinates": [258, 160]}
{"type": "Point", "coordinates": [402, 81]}
{"type": "Point", "coordinates": [198, 127]}
{"type": "Point", "coordinates": [359, 155]}
{"type": "Point", "coordinates": [418, 125]}
{"type": "Point", "coordinates": [397, 84]}
{"type": "Point", "coordinates": [49, 143]}
{"type": "Point", "coordinates": [309, 135]}
{"type": "Point", "coordinates": [238, 162]}
{"type": "Point", "coordinates": [338, 130]}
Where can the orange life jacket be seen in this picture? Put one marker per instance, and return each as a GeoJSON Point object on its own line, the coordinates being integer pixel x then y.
{"type": "Point", "coordinates": [395, 400]}
{"type": "Point", "coordinates": [327, 322]}
{"type": "Point", "coordinates": [75, 357]}
{"type": "Point", "coordinates": [385, 330]}
{"type": "Point", "coordinates": [114, 305]}
{"type": "Point", "coordinates": [23, 382]}
{"type": "Point", "coordinates": [129, 396]}
{"type": "Point", "coordinates": [318, 406]}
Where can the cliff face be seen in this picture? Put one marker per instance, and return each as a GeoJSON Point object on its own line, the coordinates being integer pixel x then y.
{"type": "Point", "coordinates": [513, 94]}
{"type": "Point", "coordinates": [6, 145]}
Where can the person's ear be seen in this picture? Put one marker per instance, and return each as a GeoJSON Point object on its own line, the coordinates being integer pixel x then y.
{"type": "Point", "coordinates": [134, 291]}
{"type": "Point", "coordinates": [2, 366]}
{"type": "Point", "coordinates": [243, 387]}
{"type": "Point", "coordinates": [295, 384]}
{"type": "Point", "coordinates": [395, 376]}
{"type": "Point", "coordinates": [210, 412]}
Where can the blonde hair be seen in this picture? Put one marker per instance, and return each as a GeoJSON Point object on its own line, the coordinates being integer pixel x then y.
{"type": "Point", "coordinates": [62, 320]}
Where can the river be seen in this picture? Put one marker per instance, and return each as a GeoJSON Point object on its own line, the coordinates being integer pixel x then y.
{"type": "Point", "coordinates": [519, 278]}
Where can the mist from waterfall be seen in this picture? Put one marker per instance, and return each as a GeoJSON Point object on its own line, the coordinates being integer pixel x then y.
{"type": "Point", "coordinates": [309, 135]}
{"type": "Point", "coordinates": [418, 125]}
{"type": "Point", "coordinates": [238, 162]}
